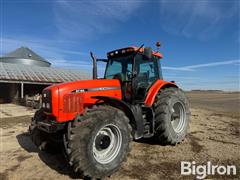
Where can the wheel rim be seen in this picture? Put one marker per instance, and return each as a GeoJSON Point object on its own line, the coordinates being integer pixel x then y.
{"type": "Point", "coordinates": [178, 117]}
{"type": "Point", "coordinates": [107, 144]}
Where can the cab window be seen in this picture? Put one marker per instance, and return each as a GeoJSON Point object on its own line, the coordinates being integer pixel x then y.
{"type": "Point", "coordinates": [113, 68]}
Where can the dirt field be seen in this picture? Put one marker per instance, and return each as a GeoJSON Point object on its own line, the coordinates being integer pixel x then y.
{"type": "Point", "coordinates": [213, 136]}
{"type": "Point", "coordinates": [225, 103]}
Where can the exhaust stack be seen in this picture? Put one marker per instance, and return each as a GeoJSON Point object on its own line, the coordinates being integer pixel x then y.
{"type": "Point", "coordinates": [94, 66]}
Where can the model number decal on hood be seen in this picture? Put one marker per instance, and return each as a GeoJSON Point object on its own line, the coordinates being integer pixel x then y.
{"type": "Point", "coordinates": [96, 89]}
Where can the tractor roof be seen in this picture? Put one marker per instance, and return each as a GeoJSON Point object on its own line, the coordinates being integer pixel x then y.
{"type": "Point", "coordinates": [128, 50]}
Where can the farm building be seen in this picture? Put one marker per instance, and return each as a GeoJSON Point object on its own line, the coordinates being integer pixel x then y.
{"type": "Point", "coordinates": [25, 74]}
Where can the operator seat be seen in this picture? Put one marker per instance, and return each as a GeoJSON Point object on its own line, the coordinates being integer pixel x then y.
{"type": "Point", "coordinates": [120, 77]}
{"type": "Point", "coordinates": [141, 85]}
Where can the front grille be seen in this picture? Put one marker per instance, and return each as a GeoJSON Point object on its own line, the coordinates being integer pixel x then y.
{"type": "Point", "coordinates": [73, 103]}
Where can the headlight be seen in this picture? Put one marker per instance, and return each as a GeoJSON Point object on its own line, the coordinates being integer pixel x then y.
{"type": "Point", "coordinates": [48, 105]}
{"type": "Point", "coordinates": [47, 101]}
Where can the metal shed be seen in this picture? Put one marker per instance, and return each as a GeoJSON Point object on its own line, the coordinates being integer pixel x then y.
{"type": "Point", "coordinates": [23, 72]}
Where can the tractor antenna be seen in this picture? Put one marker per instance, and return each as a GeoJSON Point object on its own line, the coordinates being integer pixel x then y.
{"type": "Point", "coordinates": [158, 44]}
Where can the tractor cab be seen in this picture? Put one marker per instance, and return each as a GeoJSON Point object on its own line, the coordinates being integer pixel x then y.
{"type": "Point", "coordinates": [136, 68]}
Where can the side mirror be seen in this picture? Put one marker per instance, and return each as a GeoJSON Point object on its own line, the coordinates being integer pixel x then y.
{"type": "Point", "coordinates": [147, 52]}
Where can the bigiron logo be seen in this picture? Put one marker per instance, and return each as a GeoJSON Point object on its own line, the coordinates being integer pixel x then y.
{"type": "Point", "coordinates": [204, 170]}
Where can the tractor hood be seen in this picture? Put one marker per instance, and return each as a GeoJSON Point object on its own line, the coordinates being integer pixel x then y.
{"type": "Point", "coordinates": [86, 86]}
{"type": "Point", "coordinates": [70, 98]}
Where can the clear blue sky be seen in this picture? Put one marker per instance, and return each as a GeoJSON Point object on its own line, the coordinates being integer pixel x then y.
{"type": "Point", "coordinates": [200, 39]}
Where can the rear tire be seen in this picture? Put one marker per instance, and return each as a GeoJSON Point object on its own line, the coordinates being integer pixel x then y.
{"type": "Point", "coordinates": [98, 142]}
{"type": "Point", "coordinates": [172, 116]}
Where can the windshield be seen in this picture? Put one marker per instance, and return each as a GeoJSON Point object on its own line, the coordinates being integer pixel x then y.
{"type": "Point", "coordinates": [119, 66]}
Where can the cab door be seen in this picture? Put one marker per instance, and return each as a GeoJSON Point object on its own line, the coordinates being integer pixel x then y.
{"type": "Point", "coordinates": [147, 72]}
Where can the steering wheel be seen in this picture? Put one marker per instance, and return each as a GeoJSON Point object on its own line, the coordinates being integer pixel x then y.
{"type": "Point", "coordinates": [119, 76]}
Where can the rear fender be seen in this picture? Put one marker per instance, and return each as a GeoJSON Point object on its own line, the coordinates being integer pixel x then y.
{"type": "Point", "coordinates": [153, 91]}
{"type": "Point", "coordinates": [133, 113]}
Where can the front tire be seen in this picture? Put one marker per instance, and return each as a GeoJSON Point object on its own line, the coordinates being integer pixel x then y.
{"type": "Point", "coordinates": [172, 116]}
{"type": "Point", "coordinates": [50, 143]}
{"type": "Point", "coordinates": [38, 137]}
{"type": "Point", "coordinates": [98, 142]}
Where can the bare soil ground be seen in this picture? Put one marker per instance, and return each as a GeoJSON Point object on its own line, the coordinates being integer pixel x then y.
{"type": "Point", "coordinates": [223, 102]}
{"type": "Point", "coordinates": [213, 136]}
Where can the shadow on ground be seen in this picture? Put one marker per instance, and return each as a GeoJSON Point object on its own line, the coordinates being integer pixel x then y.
{"type": "Point", "coordinates": [56, 161]}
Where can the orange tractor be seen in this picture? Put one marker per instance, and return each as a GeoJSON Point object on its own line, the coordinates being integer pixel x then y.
{"type": "Point", "coordinates": [95, 120]}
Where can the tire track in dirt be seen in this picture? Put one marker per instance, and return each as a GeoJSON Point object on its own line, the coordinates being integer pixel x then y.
{"type": "Point", "coordinates": [12, 169]}
{"type": "Point", "coordinates": [194, 142]}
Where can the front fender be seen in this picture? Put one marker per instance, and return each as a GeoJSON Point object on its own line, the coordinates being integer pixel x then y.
{"type": "Point", "coordinates": [132, 112]}
{"type": "Point", "coordinates": [159, 84]}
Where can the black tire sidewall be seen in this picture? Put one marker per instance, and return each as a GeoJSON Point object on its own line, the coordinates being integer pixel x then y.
{"type": "Point", "coordinates": [177, 136]}
{"type": "Point", "coordinates": [125, 140]}
{"type": "Point", "coordinates": [165, 133]}
{"type": "Point", "coordinates": [80, 140]}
